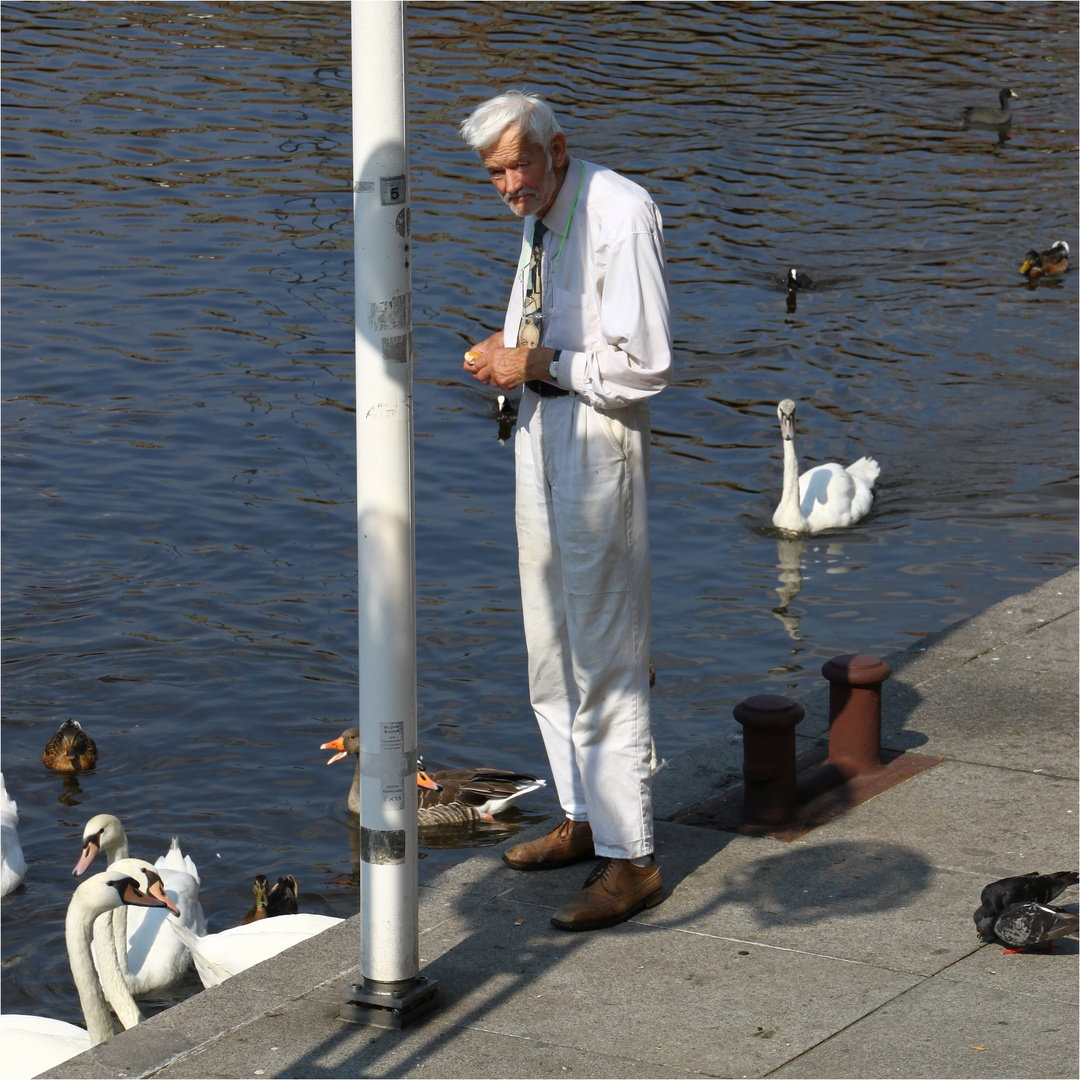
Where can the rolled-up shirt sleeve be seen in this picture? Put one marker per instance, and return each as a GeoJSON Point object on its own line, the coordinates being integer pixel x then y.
{"type": "Point", "coordinates": [633, 359]}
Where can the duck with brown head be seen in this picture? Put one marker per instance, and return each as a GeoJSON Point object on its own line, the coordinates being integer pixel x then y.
{"type": "Point", "coordinates": [70, 749]}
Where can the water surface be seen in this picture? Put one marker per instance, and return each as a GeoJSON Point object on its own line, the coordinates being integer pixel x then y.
{"type": "Point", "coordinates": [178, 450]}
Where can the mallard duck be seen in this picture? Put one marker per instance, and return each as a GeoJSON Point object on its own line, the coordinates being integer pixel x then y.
{"type": "Point", "coordinates": [281, 899]}
{"type": "Point", "coordinates": [260, 887]}
{"type": "Point", "coordinates": [982, 114]}
{"type": "Point", "coordinates": [1025, 888]}
{"type": "Point", "coordinates": [70, 749]}
{"type": "Point", "coordinates": [1054, 260]}
{"type": "Point", "coordinates": [13, 868]}
{"type": "Point", "coordinates": [453, 795]}
{"type": "Point", "coordinates": [34, 1044]}
{"type": "Point", "coordinates": [154, 958]}
{"type": "Point", "coordinates": [827, 496]}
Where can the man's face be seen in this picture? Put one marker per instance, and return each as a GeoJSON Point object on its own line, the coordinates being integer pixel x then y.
{"type": "Point", "coordinates": [523, 174]}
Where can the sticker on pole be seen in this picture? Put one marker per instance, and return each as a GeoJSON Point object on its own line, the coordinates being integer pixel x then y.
{"type": "Point", "coordinates": [393, 189]}
{"type": "Point", "coordinates": [392, 741]}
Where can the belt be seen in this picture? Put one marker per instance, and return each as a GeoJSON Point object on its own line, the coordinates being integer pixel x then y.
{"type": "Point", "coordinates": [546, 389]}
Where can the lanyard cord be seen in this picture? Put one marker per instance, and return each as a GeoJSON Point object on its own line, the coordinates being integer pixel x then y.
{"type": "Point", "coordinates": [566, 231]}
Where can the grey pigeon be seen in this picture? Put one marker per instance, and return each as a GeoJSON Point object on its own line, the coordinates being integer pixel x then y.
{"type": "Point", "coordinates": [1027, 888]}
{"type": "Point", "coordinates": [1021, 927]}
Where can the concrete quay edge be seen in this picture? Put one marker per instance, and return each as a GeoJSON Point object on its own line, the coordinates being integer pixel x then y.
{"type": "Point", "coordinates": [849, 952]}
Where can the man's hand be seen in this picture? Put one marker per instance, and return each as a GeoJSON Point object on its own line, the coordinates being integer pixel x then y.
{"type": "Point", "coordinates": [488, 362]}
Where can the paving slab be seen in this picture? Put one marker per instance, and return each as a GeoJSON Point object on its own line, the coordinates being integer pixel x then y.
{"type": "Point", "coordinates": [343, 1050]}
{"type": "Point", "coordinates": [1037, 974]}
{"type": "Point", "coordinates": [659, 996]}
{"type": "Point", "coordinates": [950, 1028]}
{"type": "Point", "coordinates": [1031, 724]}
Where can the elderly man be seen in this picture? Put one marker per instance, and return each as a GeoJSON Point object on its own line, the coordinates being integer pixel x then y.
{"type": "Point", "coordinates": [588, 333]}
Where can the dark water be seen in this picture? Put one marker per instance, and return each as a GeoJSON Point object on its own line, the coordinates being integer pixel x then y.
{"type": "Point", "coordinates": [178, 449]}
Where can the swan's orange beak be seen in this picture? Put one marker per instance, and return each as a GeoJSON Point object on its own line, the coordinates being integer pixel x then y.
{"type": "Point", "coordinates": [154, 896]}
{"type": "Point", "coordinates": [156, 889]}
{"type": "Point", "coordinates": [338, 744]}
{"type": "Point", "coordinates": [90, 849]}
{"type": "Point", "coordinates": [425, 781]}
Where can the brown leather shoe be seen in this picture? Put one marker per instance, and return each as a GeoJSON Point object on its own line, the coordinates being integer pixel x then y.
{"type": "Point", "coordinates": [613, 892]}
{"type": "Point", "coordinates": [569, 842]}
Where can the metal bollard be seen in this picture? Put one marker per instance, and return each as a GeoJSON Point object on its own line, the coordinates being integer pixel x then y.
{"type": "Point", "coordinates": [768, 724]}
{"type": "Point", "coordinates": [855, 711]}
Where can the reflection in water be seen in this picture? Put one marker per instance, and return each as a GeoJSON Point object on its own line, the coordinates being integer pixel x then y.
{"type": "Point", "coordinates": [789, 553]}
{"type": "Point", "coordinates": [71, 791]}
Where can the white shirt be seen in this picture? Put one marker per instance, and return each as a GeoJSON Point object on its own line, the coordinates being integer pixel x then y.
{"type": "Point", "coordinates": [606, 302]}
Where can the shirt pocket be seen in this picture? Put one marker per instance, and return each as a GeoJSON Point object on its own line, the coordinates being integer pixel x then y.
{"type": "Point", "coordinates": [575, 321]}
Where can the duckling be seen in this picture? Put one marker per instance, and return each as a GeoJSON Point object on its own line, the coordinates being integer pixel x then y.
{"type": "Point", "coordinates": [281, 900]}
{"type": "Point", "coordinates": [257, 911]}
{"type": "Point", "coordinates": [982, 114]}
{"type": "Point", "coordinates": [1055, 260]}
{"type": "Point", "coordinates": [70, 749]}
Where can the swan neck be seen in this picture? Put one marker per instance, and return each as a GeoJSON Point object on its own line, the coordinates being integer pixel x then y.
{"type": "Point", "coordinates": [789, 498]}
{"type": "Point", "coordinates": [110, 929]}
{"type": "Point", "coordinates": [116, 848]}
{"type": "Point", "coordinates": [78, 928]}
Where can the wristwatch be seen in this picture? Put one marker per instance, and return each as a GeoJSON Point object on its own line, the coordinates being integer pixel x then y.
{"type": "Point", "coordinates": [553, 367]}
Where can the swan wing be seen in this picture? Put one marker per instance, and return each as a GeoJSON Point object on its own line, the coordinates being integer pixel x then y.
{"type": "Point", "coordinates": [210, 972]}
{"type": "Point", "coordinates": [220, 956]}
{"type": "Point", "coordinates": [865, 469]}
{"type": "Point", "coordinates": [825, 496]}
{"type": "Point", "coordinates": [34, 1044]}
{"type": "Point", "coordinates": [174, 859]}
{"type": "Point", "coordinates": [12, 861]}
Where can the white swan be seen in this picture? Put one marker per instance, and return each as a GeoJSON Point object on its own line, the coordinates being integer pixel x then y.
{"type": "Point", "coordinates": [154, 957]}
{"type": "Point", "coordinates": [220, 956]}
{"type": "Point", "coordinates": [825, 497]}
{"type": "Point", "coordinates": [12, 863]}
{"type": "Point", "coordinates": [33, 1044]}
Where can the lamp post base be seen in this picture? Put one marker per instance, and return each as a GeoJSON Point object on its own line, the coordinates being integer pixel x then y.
{"type": "Point", "coordinates": [388, 1005]}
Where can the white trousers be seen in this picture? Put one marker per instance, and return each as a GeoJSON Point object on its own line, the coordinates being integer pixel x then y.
{"type": "Point", "coordinates": [583, 556]}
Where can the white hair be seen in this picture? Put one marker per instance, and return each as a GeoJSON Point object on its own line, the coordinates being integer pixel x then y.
{"type": "Point", "coordinates": [529, 113]}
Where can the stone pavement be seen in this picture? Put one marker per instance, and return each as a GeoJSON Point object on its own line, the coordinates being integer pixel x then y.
{"type": "Point", "coordinates": [849, 952]}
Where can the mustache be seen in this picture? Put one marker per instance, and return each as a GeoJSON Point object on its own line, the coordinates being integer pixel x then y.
{"type": "Point", "coordinates": [511, 195]}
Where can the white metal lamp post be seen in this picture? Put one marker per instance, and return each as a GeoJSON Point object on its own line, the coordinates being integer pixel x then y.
{"type": "Point", "coordinates": [392, 993]}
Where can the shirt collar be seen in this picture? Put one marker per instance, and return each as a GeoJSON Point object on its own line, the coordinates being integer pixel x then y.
{"type": "Point", "coordinates": [558, 217]}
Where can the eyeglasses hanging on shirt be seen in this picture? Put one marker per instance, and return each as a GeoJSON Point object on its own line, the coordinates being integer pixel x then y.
{"type": "Point", "coordinates": [530, 331]}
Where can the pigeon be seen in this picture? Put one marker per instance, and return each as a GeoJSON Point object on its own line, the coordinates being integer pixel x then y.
{"type": "Point", "coordinates": [1028, 888]}
{"type": "Point", "coordinates": [1023, 927]}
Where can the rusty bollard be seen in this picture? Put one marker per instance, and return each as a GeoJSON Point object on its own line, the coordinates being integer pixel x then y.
{"type": "Point", "coordinates": [855, 711]}
{"type": "Point", "coordinates": [768, 724]}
